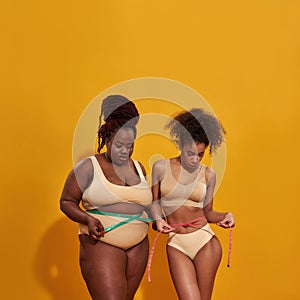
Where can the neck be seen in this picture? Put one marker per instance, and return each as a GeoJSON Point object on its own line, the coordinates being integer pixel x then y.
{"type": "Point", "coordinates": [107, 157]}
{"type": "Point", "coordinates": [186, 167]}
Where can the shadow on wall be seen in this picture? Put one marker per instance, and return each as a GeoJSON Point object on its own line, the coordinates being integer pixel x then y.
{"type": "Point", "coordinates": [56, 266]}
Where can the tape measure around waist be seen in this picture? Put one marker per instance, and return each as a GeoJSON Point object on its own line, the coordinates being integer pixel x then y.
{"type": "Point", "coordinates": [128, 218]}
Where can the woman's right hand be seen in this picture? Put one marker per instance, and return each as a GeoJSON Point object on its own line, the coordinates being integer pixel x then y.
{"type": "Point", "coordinates": [96, 229]}
{"type": "Point", "coordinates": [163, 226]}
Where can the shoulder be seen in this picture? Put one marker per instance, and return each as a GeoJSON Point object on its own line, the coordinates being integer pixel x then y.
{"type": "Point", "coordinates": [137, 163]}
{"type": "Point", "coordinates": [208, 170]}
{"type": "Point", "coordinates": [210, 174]}
{"type": "Point", "coordinates": [84, 163]}
{"type": "Point", "coordinates": [81, 174]}
{"type": "Point", "coordinates": [158, 170]}
{"type": "Point", "coordinates": [84, 167]}
{"type": "Point", "coordinates": [159, 165]}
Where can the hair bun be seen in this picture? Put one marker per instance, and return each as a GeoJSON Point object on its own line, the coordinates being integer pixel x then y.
{"type": "Point", "coordinates": [117, 107]}
{"type": "Point", "coordinates": [117, 111]}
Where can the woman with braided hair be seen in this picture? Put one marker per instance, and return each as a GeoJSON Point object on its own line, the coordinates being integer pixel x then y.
{"type": "Point", "coordinates": [113, 226]}
{"type": "Point", "coordinates": [183, 188]}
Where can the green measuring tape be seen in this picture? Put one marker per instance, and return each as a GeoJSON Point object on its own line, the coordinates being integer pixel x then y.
{"type": "Point", "coordinates": [128, 218]}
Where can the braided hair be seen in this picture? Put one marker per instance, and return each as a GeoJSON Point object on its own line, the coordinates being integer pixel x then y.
{"type": "Point", "coordinates": [118, 112]}
{"type": "Point", "coordinates": [198, 126]}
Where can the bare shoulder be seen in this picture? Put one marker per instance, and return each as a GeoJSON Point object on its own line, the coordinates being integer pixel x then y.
{"type": "Point", "coordinates": [79, 177]}
{"type": "Point", "coordinates": [84, 165]}
{"type": "Point", "coordinates": [84, 169]}
{"type": "Point", "coordinates": [158, 171]}
{"type": "Point", "coordinates": [159, 166]}
{"type": "Point", "coordinates": [210, 174]}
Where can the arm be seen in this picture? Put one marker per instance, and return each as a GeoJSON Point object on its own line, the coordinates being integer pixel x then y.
{"type": "Point", "coordinates": [77, 181]}
{"type": "Point", "coordinates": [222, 219]}
{"type": "Point", "coordinates": [156, 210]}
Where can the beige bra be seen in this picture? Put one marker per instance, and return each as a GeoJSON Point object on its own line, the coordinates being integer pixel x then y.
{"type": "Point", "coordinates": [177, 194]}
{"type": "Point", "coordinates": [103, 192]}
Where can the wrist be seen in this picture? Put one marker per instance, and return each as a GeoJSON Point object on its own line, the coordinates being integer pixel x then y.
{"type": "Point", "coordinates": [158, 219]}
{"type": "Point", "coordinates": [87, 218]}
{"type": "Point", "coordinates": [228, 214]}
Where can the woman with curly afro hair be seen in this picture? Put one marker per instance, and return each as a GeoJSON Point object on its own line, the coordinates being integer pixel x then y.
{"type": "Point", "coordinates": [114, 194]}
{"type": "Point", "coordinates": [183, 189]}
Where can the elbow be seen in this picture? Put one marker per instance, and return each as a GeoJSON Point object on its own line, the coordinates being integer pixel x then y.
{"type": "Point", "coordinates": [68, 205]}
{"type": "Point", "coordinates": [62, 205]}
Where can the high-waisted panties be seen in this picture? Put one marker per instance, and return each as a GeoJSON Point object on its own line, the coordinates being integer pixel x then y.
{"type": "Point", "coordinates": [190, 243]}
{"type": "Point", "coordinates": [121, 230]}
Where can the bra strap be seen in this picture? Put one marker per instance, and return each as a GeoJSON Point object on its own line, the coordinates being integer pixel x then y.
{"type": "Point", "coordinates": [139, 169]}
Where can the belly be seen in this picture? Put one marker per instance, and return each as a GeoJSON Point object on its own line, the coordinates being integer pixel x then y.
{"type": "Point", "coordinates": [124, 236]}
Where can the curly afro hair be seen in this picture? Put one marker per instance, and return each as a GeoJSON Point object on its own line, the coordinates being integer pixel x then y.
{"type": "Point", "coordinates": [198, 126]}
{"type": "Point", "coordinates": [118, 112]}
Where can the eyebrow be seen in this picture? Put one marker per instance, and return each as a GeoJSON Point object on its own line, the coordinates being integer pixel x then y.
{"type": "Point", "coordinates": [202, 152]}
{"type": "Point", "coordinates": [119, 142]}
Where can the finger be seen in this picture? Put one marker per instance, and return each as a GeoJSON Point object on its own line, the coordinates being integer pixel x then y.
{"type": "Point", "coordinates": [232, 224]}
{"type": "Point", "coordinates": [95, 234]}
{"type": "Point", "coordinates": [98, 231]}
{"type": "Point", "coordinates": [100, 228]}
{"type": "Point", "coordinates": [227, 223]}
{"type": "Point", "coordinates": [94, 237]}
{"type": "Point", "coordinates": [222, 223]}
{"type": "Point", "coordinates": [168, 227]}
{"type": "Point", "coordinates": [168, 230]}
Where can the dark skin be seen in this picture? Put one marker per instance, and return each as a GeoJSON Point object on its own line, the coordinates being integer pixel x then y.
{"type": "Point", "coordinates": [110, 272]}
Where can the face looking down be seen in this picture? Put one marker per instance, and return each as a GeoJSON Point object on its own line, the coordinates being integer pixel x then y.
{"type": "Point", "coordinates": [120, 146]}
{"type": "Point", "coordinates": [191, 155]}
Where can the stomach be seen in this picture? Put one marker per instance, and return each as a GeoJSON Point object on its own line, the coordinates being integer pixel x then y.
{"type": "Point", "coordinates": [122, 208]}
{"type": "Point", "coordinates": [124, 236]}
{"type": "Point", "coordinates": [184, 215]}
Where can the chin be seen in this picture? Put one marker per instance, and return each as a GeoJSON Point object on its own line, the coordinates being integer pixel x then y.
{"type": "Point", "coordinates": [122, 161]}
{"type": "Point", "coordinates": [194, 167]}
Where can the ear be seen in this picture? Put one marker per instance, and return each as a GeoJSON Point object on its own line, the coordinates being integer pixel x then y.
{"type": "Point", "coordinates": [107, 142]}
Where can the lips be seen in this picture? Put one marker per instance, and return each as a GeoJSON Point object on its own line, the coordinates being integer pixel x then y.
{"type": "Point", "coordinates": [123, 158]}
{"type": "Point", "coordinates": [194, 166]}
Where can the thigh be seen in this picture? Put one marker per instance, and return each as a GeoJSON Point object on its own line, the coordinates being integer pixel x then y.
{"type": "Point", "coordinates": [183, 274]}
{"type": "Point", "coordinates": [206, 263]}
{"type": "Point", "coordinates": [103, 268]}
{"type": "Point", "coordinates": [137, 257]}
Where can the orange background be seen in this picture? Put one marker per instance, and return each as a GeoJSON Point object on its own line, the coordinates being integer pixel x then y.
{"type": "Point", "coordinates": [242, 57]}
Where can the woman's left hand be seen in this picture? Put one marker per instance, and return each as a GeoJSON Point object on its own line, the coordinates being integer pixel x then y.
{"type": "Point", "coordinates": [227, 222]}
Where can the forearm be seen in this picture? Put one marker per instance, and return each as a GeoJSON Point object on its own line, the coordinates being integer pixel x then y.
{"type": "Point", "coordinates": [223, 219]}
{"type": "Point", "coordinates": [156, 210]}
{"type": "Point", "coordinates": [213, 216]}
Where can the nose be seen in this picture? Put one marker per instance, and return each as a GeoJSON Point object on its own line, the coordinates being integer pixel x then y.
{"type": "Point", "coordinates": [195, 159]}
{"type": "Point", "coordinates": [125, 150]}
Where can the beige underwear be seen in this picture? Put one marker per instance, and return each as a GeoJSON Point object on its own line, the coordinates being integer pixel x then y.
{"type": "Point", "coordinates": [190, 243]}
